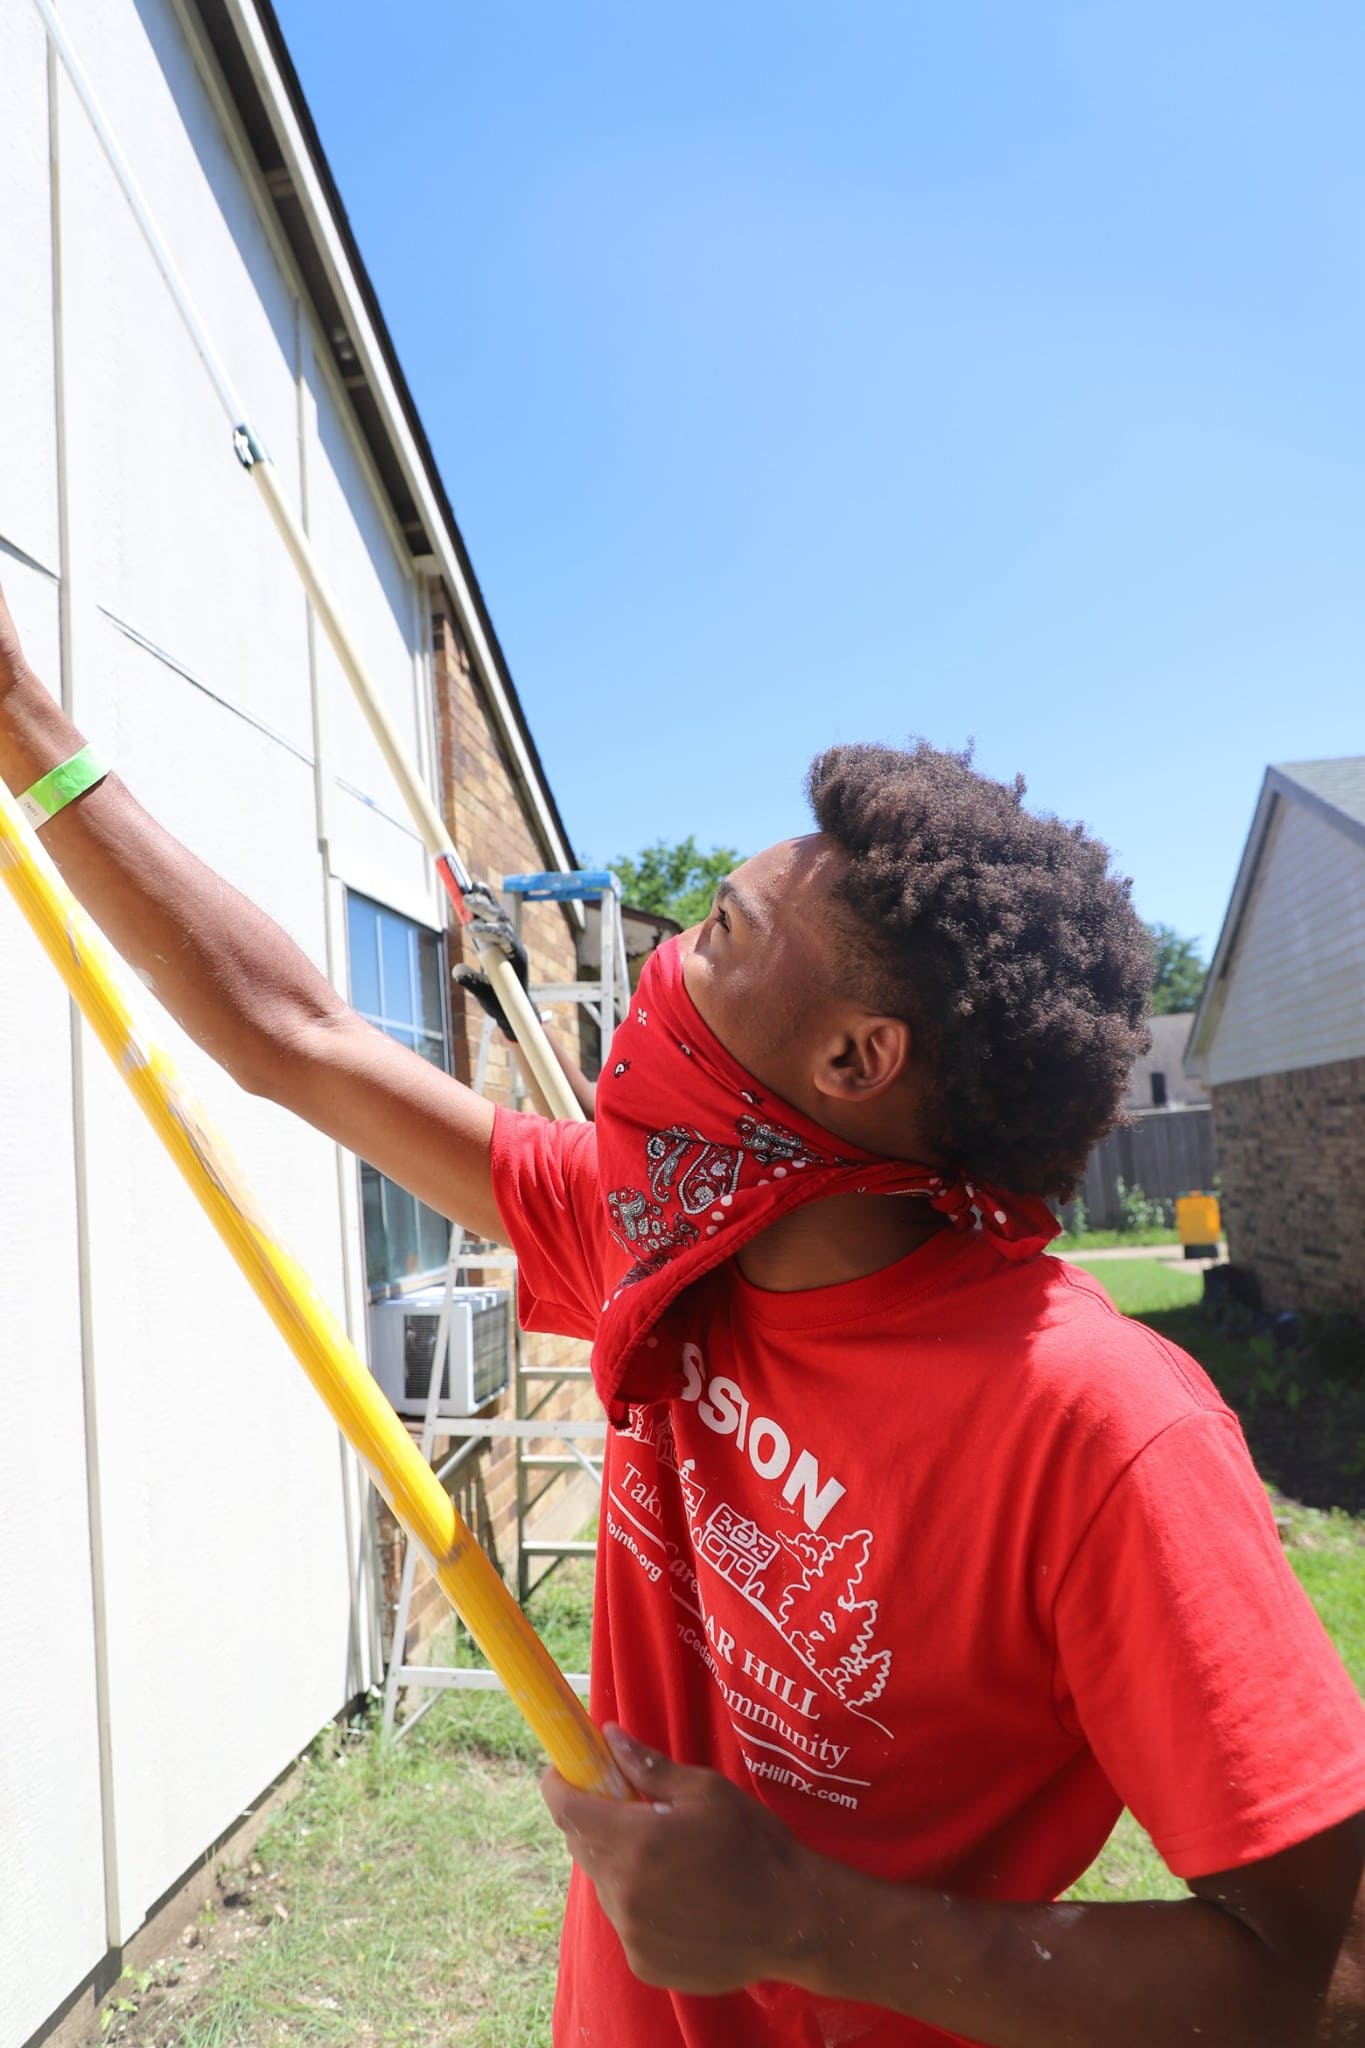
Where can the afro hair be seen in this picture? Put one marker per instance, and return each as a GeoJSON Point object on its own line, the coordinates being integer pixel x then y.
{"type": "Point", "coordinates": [1004, 941]}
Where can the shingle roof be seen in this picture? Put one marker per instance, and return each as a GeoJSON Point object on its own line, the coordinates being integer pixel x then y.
{"type": "Point", "coordinates": [1338, 784]}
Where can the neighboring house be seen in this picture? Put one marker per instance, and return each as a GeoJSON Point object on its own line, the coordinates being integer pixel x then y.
{"type": "Point", "coordinates": [1164, 1146]}
{"type": "Point", "coordinates": [187, 1583]}
{"type": "Point", "coordinates": [1158, 1079]}
{"type": "Point", "coordinates": [1279, 1040]}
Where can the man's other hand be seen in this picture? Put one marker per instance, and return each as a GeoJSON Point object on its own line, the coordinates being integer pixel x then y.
{"type": "Point", "coordinates": [706, 1888]}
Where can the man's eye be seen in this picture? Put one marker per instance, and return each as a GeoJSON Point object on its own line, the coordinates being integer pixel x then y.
{"type": "Point", "coordinates": [722, 917]}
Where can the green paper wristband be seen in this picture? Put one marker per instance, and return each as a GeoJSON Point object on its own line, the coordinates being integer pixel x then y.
{"type": "Point", "coordinates": [61, 786]}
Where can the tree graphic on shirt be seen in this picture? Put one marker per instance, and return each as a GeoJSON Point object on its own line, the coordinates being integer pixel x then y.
{"type": "Point", "coordinates": [831, 1630]}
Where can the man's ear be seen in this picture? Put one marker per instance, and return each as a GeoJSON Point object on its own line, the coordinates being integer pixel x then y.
{"type": "Point", "coordinates": [870, 1055]}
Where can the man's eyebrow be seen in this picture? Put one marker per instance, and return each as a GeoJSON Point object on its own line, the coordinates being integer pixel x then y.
{"type": "Point", "coordinates": [726, 892]}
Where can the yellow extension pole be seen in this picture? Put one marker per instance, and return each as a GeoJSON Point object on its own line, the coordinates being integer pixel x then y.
{"type": "Point", "coordinates": [307, 1325]}
{"type": "Point", "coordinates": [532, 1042]}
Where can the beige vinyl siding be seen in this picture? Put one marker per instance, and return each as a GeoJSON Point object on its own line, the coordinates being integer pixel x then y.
{"type": "Point", "coordinates": [1296, 990]}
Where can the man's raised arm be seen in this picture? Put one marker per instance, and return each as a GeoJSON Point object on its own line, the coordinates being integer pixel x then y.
{"type": "Point", "coordinates": [237, 983]}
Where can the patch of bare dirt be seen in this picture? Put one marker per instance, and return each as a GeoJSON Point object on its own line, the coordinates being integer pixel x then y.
{"type": "Point", "coordinates": [145, 2007]}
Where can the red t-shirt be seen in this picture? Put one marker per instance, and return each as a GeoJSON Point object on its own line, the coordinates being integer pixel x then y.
{"type": "Point", "coordinates": [945, 1566]}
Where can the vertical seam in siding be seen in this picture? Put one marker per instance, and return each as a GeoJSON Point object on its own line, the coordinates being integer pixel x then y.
{"type": "Point", "coordinates": [113, 1917]}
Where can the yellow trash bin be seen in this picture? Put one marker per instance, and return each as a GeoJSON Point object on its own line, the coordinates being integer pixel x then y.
{"type": "Point", "coordinates": [1200, 1224]}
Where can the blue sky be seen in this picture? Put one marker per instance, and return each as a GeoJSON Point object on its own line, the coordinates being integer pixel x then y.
{"type": "Point", "coordinates": [802, 374]}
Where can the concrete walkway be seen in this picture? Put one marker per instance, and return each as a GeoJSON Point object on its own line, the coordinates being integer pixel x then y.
{"type": "Point", "coordinates": [1174, 1254]}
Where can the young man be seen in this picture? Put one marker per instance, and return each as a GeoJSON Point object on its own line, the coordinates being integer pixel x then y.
{"type": "Point", "coordinates": [917, 1562]}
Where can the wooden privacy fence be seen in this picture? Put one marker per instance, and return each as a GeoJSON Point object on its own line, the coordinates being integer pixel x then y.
{"type": "Point", "coordinates": [1165, 1152]}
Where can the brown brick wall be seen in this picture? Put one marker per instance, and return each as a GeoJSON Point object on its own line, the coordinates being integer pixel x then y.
{"type": "Point", "coordinates": [1291, 1151]}
{"type": "Point", "coordinates": [495, 838]}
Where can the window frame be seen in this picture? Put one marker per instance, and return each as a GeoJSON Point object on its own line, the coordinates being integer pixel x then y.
{"type": "Point", "coordinates": [415, 1034]}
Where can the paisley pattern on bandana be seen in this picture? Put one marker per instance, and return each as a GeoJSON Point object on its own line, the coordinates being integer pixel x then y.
{"type": "Point", "coordinates": [693, 1170]}
{"type": "Point", "coordinates": [642, 1227]}
{"type": "Point", "coordinates": [686, 1194]}
{"type": "Point", "coordinates": [770, 1143]}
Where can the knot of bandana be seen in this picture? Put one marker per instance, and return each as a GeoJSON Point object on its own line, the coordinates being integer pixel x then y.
{"type": "Point", "coordinates": [685, 1195]}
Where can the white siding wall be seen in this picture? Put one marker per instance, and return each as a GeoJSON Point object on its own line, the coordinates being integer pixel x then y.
{"type": "Point", "coordinates": [375, 846]}
{"type": "Point", "coordinates": [223, 1552]}
{"type": "Point", "coordinates": [1296, 993]}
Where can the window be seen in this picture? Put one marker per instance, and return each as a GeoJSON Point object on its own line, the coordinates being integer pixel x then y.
{"type": "Point", "coordinates": [398, 983]}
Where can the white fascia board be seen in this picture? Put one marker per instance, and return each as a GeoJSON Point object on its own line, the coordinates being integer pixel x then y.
{"type": "Point", "coordinates": [310, 195]}
{"type": "Point", "coordinates": [1211, 1002]}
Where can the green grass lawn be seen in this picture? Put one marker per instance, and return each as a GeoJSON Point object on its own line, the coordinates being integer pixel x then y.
{"type": "Point", "coordinates": [410, 1895]}
{"type": "Point", "coordinates": [1327, 1551]}
{"type": "Point", "coordinates": [1143, 1287]}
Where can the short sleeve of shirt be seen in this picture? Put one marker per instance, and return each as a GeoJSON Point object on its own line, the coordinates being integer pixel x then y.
{"type": "Point", "coordinates": [546, 1188]}
{"type": "Point", "coordinates": [1194, 1665]}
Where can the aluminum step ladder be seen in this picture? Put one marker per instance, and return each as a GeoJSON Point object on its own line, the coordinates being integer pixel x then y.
{"type": "Point", "coordinates": [471, 1432]}
{"type": "Point", "coordinates": [606, 998]}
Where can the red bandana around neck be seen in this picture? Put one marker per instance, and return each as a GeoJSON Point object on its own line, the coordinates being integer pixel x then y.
{"type": "Point", "coordinates": [682, 1196]}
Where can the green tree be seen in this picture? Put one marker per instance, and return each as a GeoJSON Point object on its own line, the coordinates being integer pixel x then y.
{"type": "Point", "coordinates": [1180, 972]}
{"type": "Point", "coordinates": [675, 881]}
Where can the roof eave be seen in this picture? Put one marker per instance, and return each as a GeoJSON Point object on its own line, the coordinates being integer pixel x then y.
{"type": "Point", "coordinates": [1211, 1001]}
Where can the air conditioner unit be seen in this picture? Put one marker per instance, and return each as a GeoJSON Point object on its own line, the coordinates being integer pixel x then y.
{"type": "Point", "coordinates": [403, 1332]}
